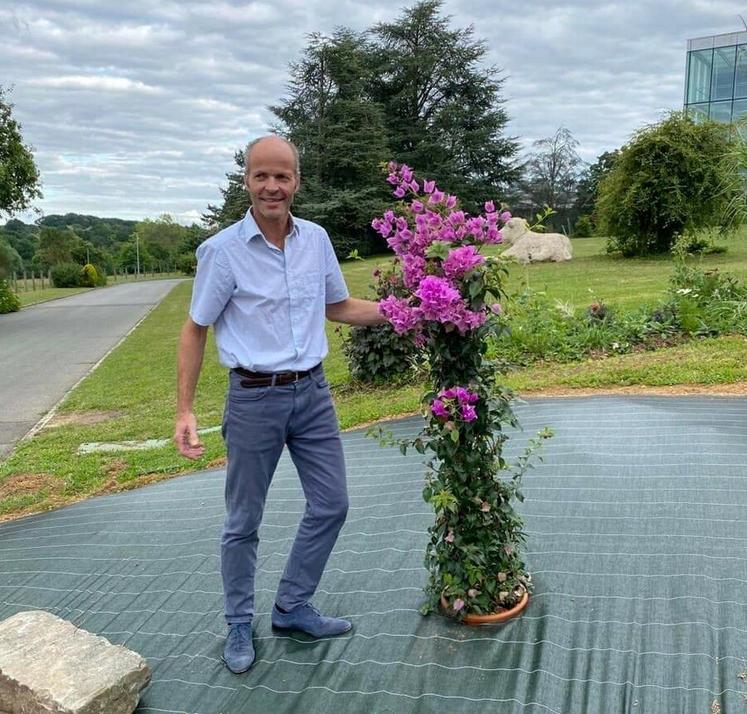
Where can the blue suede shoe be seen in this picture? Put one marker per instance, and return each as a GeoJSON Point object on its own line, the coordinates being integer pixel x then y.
{"type": "Point", "coordinates": [306, 618]}
{"type": "Point", "coordinates": [238, 654]}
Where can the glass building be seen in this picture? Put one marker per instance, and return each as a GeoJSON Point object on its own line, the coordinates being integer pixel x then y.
{"type": "Point", "coordinates": [716, 80]}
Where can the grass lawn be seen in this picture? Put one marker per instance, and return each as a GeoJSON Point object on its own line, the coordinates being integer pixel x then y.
{"type": "Point", "coordinates": [32, 297]}
{"type": "Point", "coordinates": [131, 395]}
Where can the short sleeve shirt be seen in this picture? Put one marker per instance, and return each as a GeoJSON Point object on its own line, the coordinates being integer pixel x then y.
{"type": "Point", "coordinates": [267, 305]}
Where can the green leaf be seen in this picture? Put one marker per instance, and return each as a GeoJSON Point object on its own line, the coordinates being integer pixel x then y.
{"type": "Point", "coordinates": [438, 249]}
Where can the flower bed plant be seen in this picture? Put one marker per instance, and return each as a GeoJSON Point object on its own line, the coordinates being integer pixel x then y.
{"type": "Point", "coordinates": [699, 303]}
{"type": "Point", "coordinates": [446, 301]}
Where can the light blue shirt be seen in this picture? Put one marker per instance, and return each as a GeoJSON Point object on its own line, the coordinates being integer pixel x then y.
{"type": "Point", "coordinates": [267, 305]}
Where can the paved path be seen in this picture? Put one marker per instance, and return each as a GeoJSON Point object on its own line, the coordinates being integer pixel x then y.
{"type": "Point", "coordinates": [45, 349]}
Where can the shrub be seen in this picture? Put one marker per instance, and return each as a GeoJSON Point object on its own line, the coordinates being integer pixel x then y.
{"type": "Point", "coordinates": [89, 276]}
{"type": "Point", "coordinates": [672, 178]}
{"type": "Point", "coordinates": [378, 354]}
{"type": "Point", "coordinates": [9, 301]}
{"type": "Point", "coordinates": [584, 228]}
{"type": "Point", "coordinates": [701, 243]}
{"type": "Point", "coordinates": [707, 302]}
{"type": "Point", "coordinates": [67, 275]}
{"type": "Point", "coordinates": [101, 278]}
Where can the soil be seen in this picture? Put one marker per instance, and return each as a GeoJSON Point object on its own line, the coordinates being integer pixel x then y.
{"type": "Point", "coordinates": [21, 484]}
{"type": "Point", "coordinates": [734, 389]}
{"type": "Point", "coordinates": [82, 418]}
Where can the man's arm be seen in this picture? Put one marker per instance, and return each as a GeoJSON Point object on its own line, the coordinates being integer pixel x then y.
{"type": "Point", "coordinates": [189, 362]}
{"type": "Point", "coordinates": [353, 311]}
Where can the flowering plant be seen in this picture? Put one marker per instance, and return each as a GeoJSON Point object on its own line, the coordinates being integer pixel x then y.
{"type": "Point", "coordinates": [449, 306]}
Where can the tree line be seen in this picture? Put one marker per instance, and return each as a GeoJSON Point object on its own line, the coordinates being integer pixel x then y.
{"type": "Point", "coordinates": [110, 244]}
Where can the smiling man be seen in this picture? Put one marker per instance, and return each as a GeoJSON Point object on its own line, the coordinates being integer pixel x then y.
{"type": "Point", "coordinates": [266, 284]}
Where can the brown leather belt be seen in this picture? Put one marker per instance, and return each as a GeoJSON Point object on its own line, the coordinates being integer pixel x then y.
{"type": "Point", "coordinates": [269, 379]}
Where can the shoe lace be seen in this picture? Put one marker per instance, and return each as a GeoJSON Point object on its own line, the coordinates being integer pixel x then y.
{"type": "Point", "coordinates": [240, 633]}
{"type": "Point", "coordinates": [313, 609]}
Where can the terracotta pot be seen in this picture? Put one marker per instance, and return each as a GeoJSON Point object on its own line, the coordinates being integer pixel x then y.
{"type": "Point", "coordinates": [493, 617]}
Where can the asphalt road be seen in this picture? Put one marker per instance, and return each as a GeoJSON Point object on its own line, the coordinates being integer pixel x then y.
{"type": "Point", "coordinates": [45, 349]}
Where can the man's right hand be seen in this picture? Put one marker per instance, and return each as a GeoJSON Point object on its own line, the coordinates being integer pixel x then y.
{"type": "Point", "coordinates": [185, 437]}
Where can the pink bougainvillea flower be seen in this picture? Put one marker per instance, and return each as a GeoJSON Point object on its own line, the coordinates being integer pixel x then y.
{"type": "Point", "coordinates": [417, 207]}
{"type": "Point", "coordinates": [458, 604]}
{"type": "Point", "coordinates": [496, 309]}
{"type": "Point", "coordinates": [400, 314]}
{"type": "Point", "coordinates": [449, 537]}
{"type": "Point", "coordinates": [468, 412]}
{"type": "Point", "coordinates": [472, 593]}
{"type": "Point", "coordinates": [451, 201]}
{"type": "Point", "coordinates": [461, 260]}
{"type": "Point", "coordinates": [437, 298]}
{"type": "Point", "coordinates": [399, 192]}
{"type": "Point", "coordinates": [413, 269]}
{"type": "Point", "coordinates": [438, 409]}
{"type": "Point", "coordinates": [505, 216]}
{"type": "Point", "coordinates": [429, 186]}
{"type": "Point", "coordinates": [489, 207]}
{"type": "Point", "coordinates": [456, 218]}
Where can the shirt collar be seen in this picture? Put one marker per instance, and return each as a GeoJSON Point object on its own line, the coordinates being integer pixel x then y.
{"type": "Point", "coordinates": [249, 228]}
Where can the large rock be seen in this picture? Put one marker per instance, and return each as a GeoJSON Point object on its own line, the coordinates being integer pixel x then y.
{"type": "Point", "coordinates": [47, 665]}
{"type": "Point", "coordinates": [530, 247]}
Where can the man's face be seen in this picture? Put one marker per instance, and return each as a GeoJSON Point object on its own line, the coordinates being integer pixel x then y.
{"type": "Point", "coordinates": [272, 180]}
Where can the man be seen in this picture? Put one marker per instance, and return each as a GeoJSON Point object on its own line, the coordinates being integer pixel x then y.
{"type": "Point", "coordinates": [266, 284]}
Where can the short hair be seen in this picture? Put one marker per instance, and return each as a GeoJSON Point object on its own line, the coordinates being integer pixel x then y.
{"type": "Point", "coordinates": [254, 142]}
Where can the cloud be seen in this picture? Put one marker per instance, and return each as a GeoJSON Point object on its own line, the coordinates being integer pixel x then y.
{"type": "Point", "coordinates": [94, 84]}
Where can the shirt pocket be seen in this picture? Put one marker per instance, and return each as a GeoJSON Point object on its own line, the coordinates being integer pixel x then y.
{"type": "Point", "coordinates": [310, 285]}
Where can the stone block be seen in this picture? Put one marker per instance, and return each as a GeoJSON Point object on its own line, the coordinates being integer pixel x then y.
{"type": "Point", "coordinates": [49, 666]}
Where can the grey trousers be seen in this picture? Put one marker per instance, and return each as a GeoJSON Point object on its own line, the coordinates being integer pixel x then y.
{"type": "Point", "coordinates": [257, 423]}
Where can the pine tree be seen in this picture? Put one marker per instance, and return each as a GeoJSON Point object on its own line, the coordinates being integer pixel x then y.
{"type": "Point", "coordinates": [339, 131]}
{"type": "Point", "coordinates": [443, 107]}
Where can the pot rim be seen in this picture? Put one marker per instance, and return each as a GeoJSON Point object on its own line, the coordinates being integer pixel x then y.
{"type": "Point", "coordinates": [492, 617]}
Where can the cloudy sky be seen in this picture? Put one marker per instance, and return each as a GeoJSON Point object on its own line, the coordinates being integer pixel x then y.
{"type": "Point", "coordinates": [134, 108]}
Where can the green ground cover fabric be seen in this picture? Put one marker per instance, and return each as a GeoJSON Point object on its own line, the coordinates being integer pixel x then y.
{"type": "Point", "coordinates": [637, 525]}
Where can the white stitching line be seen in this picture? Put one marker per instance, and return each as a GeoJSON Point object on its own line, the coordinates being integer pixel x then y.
{"type": "Point", "coordinates": [377, 635]}
{"type": "Point", "coordinates": [377, 692]}
{"type": "Point", "coordinates": [383, 613]}
{"type": "Point", "coordinates": [538, 670]}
